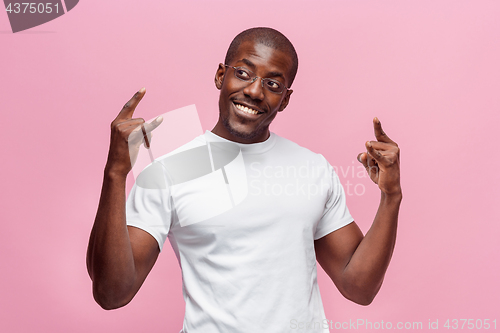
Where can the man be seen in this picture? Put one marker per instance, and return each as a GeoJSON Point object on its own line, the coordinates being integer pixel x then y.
{"type": "Point", "coordinates": [251, 268]}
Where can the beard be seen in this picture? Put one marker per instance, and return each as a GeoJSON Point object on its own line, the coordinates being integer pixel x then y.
{"type": "Point", "coordinates": [240, 134]}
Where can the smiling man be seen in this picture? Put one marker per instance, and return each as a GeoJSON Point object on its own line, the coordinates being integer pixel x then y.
{"type": "Point", "coordinates": [250, 268]}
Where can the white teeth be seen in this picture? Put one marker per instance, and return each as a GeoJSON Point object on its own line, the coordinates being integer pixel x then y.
{"type": "Point", "coordinates": [245, 109]}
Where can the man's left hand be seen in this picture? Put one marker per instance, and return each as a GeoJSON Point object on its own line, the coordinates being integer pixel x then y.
{"type": "Point", "coordinates": [381, 161]}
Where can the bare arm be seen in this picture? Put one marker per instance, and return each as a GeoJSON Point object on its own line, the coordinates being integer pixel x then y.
{"type": "Point", "coordinates": [357, 264]}
{"type": "Point", "coordinates": [119, 258]}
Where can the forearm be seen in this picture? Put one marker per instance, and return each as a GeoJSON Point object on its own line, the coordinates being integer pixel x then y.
{"type": "Point", "coordinates": [110, 260]}
{"type": "Point", "coordinates": [365, 272]}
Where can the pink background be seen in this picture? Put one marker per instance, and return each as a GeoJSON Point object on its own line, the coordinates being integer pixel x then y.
{"type": "Point", "coordinates": [428, 69]}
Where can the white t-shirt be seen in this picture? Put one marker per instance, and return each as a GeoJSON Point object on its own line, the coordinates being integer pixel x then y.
{"type": "Point", "coordinates": [242, 225]}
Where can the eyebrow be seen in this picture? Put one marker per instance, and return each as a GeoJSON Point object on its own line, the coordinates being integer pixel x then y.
{"type": "Point", "coordinates": [269, 74]}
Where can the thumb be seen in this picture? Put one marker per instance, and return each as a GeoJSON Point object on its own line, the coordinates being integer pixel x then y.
{"type": "Point", "coordinates": [363, 159]}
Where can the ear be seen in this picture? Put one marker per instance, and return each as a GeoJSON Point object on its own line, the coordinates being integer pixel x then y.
{"type": "Point", "coordinates": [219, 76]}
{"type": "Point", "coordinates": [285, 100]}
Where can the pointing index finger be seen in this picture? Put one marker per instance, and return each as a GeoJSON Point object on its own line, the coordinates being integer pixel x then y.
{"type": "Point", "coordinates": [379, 132]}
{"type": "Point", "coordinates": [128, 109]}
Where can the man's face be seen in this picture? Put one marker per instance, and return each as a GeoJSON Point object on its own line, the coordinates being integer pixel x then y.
{"type": "Point", "coordinates": [236, 122]}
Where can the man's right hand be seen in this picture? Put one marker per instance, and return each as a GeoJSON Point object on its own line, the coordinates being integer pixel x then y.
{"type": "Point", "coordinates": [127, 136]}
{"type": "Point", "coordinates": [119, 257]}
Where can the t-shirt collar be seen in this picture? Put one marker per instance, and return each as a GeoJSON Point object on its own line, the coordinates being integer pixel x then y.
{"type": "Point", "coordinates": [247, 148]}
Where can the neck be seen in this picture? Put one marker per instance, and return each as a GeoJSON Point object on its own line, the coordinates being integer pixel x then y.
{"type": "Point", "coordinates": [234, 136]}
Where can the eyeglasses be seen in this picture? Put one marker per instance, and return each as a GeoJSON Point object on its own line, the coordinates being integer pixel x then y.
{"type": "Point", "coordinates": [247, 75]}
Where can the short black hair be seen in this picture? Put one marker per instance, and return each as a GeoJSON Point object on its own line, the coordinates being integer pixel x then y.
{"type": "Point", "coordinates": [269, 37]}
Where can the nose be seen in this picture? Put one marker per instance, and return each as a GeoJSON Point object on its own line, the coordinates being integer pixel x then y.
{"type": "Point", "coordinates": [255, 90]}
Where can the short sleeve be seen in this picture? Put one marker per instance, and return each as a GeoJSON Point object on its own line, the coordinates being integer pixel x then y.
{"type": "Point", "coordinates": [149, 209]}
{"type": "Point", "coordinates": [336, 214]}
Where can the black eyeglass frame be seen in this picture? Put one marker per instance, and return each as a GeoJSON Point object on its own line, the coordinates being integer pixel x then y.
{"type": "Point", "coordinates": [255, 77]}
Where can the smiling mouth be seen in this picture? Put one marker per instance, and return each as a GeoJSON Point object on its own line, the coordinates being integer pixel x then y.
{"type": "Point", "coordinates": [246, 109]}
